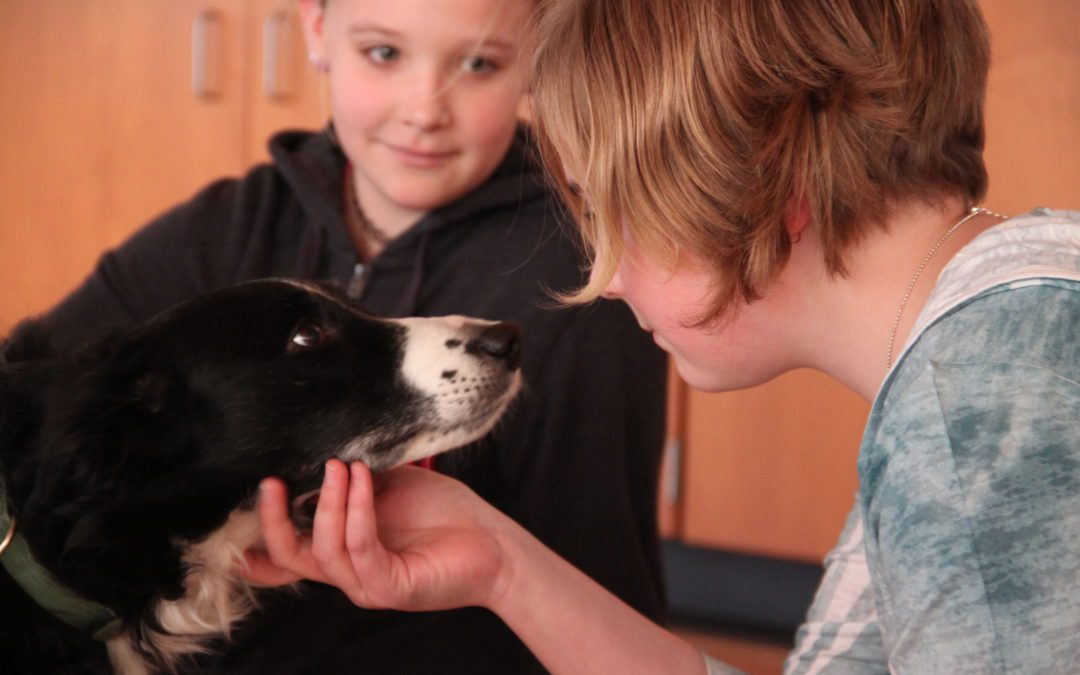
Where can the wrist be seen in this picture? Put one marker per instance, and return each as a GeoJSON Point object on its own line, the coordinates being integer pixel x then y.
{"type": "Point", "coordinates": [570, 622]}
{"type": "Point", "coordinates": [516, 545]}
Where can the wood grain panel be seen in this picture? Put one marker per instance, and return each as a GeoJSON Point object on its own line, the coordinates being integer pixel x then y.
{"type": "Point", "coordinates": [1033, 104]}
{"type": "Point", "coordinates": [671, 473]}
{"type": "Point", "coordinates": [50, 224]}
{"type": "Point", "coordinates": [300, 99]}
{"type": "Point", "coordinates": [771, 470]}
{"type": "Point", "coordinates": [100, 130]}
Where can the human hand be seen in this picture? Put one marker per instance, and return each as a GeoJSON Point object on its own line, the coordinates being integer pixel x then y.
{"type": "Point", "coordinates": [411, 540]}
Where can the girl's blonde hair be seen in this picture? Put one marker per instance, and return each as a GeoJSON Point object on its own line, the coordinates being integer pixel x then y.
{"type": "Point", "coordinates": [691, 125]}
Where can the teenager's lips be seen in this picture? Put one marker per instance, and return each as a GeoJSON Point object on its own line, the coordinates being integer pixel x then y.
{"type": "Point", "coordinates": [421, 158]}
{"type": "Point", "coordinates": [656, 337]}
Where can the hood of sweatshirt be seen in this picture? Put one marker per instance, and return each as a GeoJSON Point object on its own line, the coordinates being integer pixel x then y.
{"type": "Point", "coordinates": [313, 165]}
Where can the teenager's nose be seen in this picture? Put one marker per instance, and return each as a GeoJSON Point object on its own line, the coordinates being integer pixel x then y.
{"type": "Point", "coordinates": [428, 115]}
{"type": "Point", "coordinates": [614, 288]}
{"type": "Point", "coordinates": [425, 105]}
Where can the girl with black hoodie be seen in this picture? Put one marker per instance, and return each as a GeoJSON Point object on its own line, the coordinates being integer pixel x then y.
{"type": "Point", "coordinates": [422, 199]}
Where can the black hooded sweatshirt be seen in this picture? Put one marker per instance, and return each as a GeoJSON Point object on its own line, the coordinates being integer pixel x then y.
{"type": "Point", "coordinates": [576, 460]}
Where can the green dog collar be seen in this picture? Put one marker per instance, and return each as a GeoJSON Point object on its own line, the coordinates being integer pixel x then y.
{"type": "Point", "coordinates": [88, 616]}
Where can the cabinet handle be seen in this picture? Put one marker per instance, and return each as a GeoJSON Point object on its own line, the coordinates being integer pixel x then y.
{"type": "Point", "coordinates": [672, 491]}
{"type": "Point", "coordinates": [275, 34]}
{"type": "Point", "coordinates": [205, 49]}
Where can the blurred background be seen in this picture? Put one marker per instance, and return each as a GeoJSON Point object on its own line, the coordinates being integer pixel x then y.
{"type": "Point", "coordinates": [114, 110]}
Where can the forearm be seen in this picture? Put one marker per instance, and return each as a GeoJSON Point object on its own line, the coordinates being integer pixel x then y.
{"type": "Point", "coordinates": [572, 624]}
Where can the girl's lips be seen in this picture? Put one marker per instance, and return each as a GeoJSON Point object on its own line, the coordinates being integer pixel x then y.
{"type": "Point", "coordinates": [421, 158]}
{"type": "Point", "coordinates": [660, 342]}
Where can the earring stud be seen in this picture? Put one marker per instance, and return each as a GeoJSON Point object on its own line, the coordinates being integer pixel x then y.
{"type": "Point", "coordinates": [320, 63]}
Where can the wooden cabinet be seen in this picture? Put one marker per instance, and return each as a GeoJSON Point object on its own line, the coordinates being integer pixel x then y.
{"type": "Point", "coordinates": [1033, 105]}
{"type": "Point", "coordinates": [768, 471]}
{"type": "Point", "coordinates": [114, 110]}
{"type": "Point", "coordinates": [771, 471]}
{"type": "Point", "coordinates": [786, 474]}
{"type": "Point", "coordinates": [282, 90]}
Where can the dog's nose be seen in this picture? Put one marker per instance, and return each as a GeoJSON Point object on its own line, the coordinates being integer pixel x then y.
{"type": "Point", "coordinates": [501, 341]}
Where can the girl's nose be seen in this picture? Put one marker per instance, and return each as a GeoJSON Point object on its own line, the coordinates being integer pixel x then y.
{"type": "Point", "coordinates": [428, 115]}
{"type": "Point", "coordinates": [425, 105]}
{"type": "Point", "coordinates": [614, 288]}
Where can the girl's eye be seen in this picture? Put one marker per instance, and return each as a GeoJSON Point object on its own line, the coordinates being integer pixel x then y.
{"type": "Point", "coordinates": [307, 335]}
{"type": "Point", "coordinates": [574, 189]}
{"type": "Point", "coordinates": [382, 54]}
{"type": "Point", "coordinates": [479, 64]}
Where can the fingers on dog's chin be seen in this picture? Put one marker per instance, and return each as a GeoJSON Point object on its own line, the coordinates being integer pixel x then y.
{"type": "Point", "coordinates": [271, 483]}
{"type": "Point", "coordinates": [272, 491]}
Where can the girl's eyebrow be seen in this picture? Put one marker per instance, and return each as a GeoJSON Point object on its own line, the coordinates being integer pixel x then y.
{"type": "Point", "coordinates": [372, 28]}
{"type": "Point", "coordinates": [495, 43]}
{"type": "Point", "coordinates": [375, 29]}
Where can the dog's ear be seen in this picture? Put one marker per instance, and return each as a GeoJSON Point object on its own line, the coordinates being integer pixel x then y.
{"type": "Point", "coordinates": [154, 390]}
{"type": "Point", "coordinates": [79, 432]}
{"type": "Point", "coordinates": [86, 433]}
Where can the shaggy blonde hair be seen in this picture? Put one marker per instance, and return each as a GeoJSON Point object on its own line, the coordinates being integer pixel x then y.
{"type": "Point", "coordinates": [691, 125]}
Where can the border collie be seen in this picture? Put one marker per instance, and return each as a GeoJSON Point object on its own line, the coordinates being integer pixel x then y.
{"type": "Point", "coordinates": [129, 468]}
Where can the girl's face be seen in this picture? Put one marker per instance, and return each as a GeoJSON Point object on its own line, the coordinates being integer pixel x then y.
{"type": "Point", "coordinates": [424, 93]}
{"type": "Point", "coordinates": [744, 348]}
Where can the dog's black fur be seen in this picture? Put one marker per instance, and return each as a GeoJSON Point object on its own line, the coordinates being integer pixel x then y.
{"type": "Point", "coordinates": [121, 458]}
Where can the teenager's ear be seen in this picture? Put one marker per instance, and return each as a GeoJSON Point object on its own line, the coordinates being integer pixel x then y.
{"type": "Point", "coordinates": [796, 218]}
{"type": "Point", "coordinates": [312, 15]}
{"type": "Point", "coordinates": [525, 111]}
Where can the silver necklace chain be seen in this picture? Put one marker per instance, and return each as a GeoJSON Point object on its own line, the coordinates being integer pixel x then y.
{"type": "Point", "coordinates": [974, 211]}
{"type": "Point", "coordinates": [366, 226]}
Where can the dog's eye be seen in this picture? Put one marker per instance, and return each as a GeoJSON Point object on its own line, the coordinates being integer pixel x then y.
{"type": "Point", "coordinates": [307, 336]}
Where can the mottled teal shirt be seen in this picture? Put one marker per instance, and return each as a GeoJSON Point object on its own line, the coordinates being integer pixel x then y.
{"type": "Point", "coordinates": [962, 554]}
{"type": "Point", "coordinates": [970, 489]}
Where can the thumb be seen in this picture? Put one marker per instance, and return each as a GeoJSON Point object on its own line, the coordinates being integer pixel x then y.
{"type": "Point", "coordinates": [257, 568]}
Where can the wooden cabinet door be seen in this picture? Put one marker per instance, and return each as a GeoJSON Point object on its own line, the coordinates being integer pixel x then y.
{"type": "Point", "coordinates": [283, 90]}
{"type": "Point", "coordinates": [1033, 104]}
{"type": "Point", "coordinates": [101, 128]}
{"type": "Point", "coordinates": [771, 470]}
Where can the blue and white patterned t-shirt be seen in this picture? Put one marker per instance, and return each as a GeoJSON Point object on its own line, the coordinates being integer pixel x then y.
{"type": "Point", "coordinates": [962, 554]}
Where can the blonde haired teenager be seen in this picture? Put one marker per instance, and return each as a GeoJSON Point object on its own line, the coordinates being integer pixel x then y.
{"type": "Point", "coordinates": [770, 185]}
{"type": "Point", "coordinates": [423, 199]}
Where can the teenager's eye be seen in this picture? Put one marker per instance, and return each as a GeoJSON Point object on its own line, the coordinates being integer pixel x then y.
{"type": "Point", "coordinates": [382, 54]}
{"type": "Point", "coordinates": [575, 190]}
{"type": "Point", "coordinates": [307, 335]}
{"type": "Point", "coordinates": [479, 64]}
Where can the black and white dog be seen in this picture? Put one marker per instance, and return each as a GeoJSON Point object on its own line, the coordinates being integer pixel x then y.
{"type": "Point", "coordinates": [130, 467]}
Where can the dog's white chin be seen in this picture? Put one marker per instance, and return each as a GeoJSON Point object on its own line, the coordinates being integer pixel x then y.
{"type": "Point", "coordinates": [448, 435]}
{"type": "Point", "coordinates": [435, 442]}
